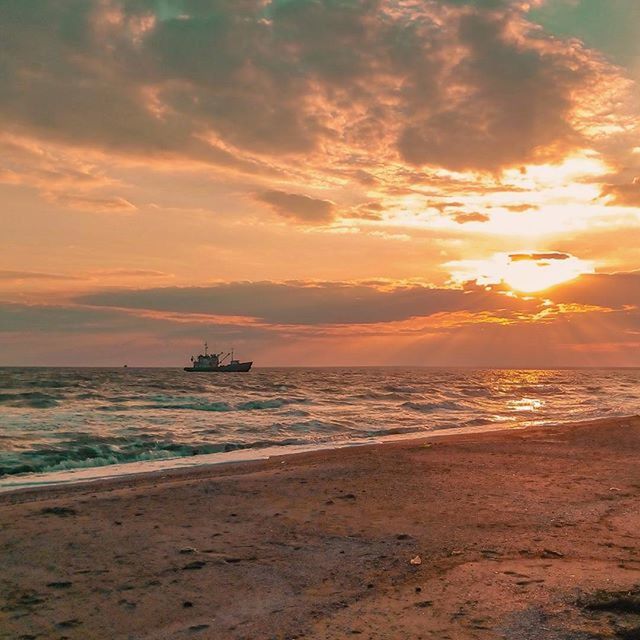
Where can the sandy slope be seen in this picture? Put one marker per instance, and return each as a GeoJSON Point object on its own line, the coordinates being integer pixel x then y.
{"type": "Point", "coordinates": [512, 530]}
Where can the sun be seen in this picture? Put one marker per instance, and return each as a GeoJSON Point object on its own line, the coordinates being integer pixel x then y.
{"type": "Point", "coordinates": [533, 272]}
{"type": "Point", "coordinates": [524, 272]}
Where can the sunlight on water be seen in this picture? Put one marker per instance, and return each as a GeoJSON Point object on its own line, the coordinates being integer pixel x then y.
{"type": "Point", "coordinates": [525, 404]}
{"type": "Point", "coordinates": [53, 419]}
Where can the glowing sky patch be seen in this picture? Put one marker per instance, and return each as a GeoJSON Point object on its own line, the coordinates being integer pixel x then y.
{"type": "Point", "coordinates": [337, 151]}
{"type": "Point", "coordinates": [526, 271]}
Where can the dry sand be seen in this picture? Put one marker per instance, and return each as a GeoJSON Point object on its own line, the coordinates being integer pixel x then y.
{"type": "Point", "coordinates": [516, 531]}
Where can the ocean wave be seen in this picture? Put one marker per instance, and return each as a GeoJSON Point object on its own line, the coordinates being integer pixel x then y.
{"type": "Point", "coordinates": [274, 403]}
{"type": "Point", "coordinates": [475, 391]}
{"type": "Point", "coordinates": [47, 384]}
{"type": "Point", "coordinates": [543, 390]}
{"type": "Point", "coordinates": [479, 422]}
{"type": "Point", "coordinates": [404, 389]}
{"type": "Point", "coordinates": [29, 400]}
{"type": "Point", "coordinates": [88, 395]}
{"type": "Point", "coordinates": [99, 454]}
{"type": "Point", "coordinates": [112, 407]}
{"type": "Point", "coordinates": [430, 407]}
{"type": "Point", "coordinates": [193, 406]}
{"type": "Point", "coordinates": [376, 433]}
{"type": "Point", "coordinates": [196, 404]}
{"type": "Point", "coordinates": [378, 395]}
{"type": "Point", "coordinates": [313, 426]}
{"type": "Point", "coordinates": [66, 418]}
{"type": "Point", "coordinates": [295, 413]}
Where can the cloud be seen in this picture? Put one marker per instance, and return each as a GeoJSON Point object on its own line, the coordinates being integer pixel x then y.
{"type": "Point", "coordinates": [592, 320]}
{"type": "Point", "coordinates": [463, 218]}
{"type": "Point", "coordinates": [529, 271]}
{"type": "Point", "coordinates": [60, 176]}
{"type": "Point", "coordinates": [508, 103]}
{"type": "Point", "coordinates": [327, 303]}
{"type": "Point", "coordinates": [11, 276]}
{"type": "Point", "coordinates": [78, 322]}
{"type": "Point", "coordinates": [539, 257]}
{"type": "Point", "coordinates": [443, 206]}
{"type": "Point", "coordinates": [625, 195]}
{"type": "Point", "coordinates": [308, 304]}
{"type": "Point", "coordinates": [113, 204]}
{"type": "Point", "coordinates": [131, 273]}
{"type": "Point", "coordinates": [19, 318]}
{"type": "Point", "coordinates": [365, 211]}
{"type": "Point", "coordinates": [247, 85]}
{"type": "Point", "coordinates": [614, 291]}
{"type": "Point", "coordinates": [520, 208]}
{"type": "Point", "coordinates": [298, 207]}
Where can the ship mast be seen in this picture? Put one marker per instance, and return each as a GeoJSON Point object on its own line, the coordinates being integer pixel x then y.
{"type": "Point", "coordinates": [206, 349]}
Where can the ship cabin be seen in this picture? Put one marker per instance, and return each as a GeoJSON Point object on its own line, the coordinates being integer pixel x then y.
{"type": "Point", "coordinates": [206, 360]}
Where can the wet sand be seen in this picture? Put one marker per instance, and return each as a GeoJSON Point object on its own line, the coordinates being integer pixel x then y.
{"type": "Point", "coordinates": [516, 533]}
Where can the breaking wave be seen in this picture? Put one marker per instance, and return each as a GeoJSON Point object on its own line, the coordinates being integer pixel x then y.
{"type": "Point", "coordinates": [100, 455]}
{"type": "Point", "coordinates": [29, 399]}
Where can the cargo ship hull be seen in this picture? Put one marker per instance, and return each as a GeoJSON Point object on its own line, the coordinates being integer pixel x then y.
{"type": "Point", "coordinates": [235, 367]}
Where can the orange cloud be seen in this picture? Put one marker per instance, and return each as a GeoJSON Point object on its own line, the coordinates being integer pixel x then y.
{"type": "Point", "coordinates": [625, 195]}
{"type": "Point", "coordinates": [463, 218]}
{"type": "Point", "coordinates": [298, 207]}
{"type": "Point", "coordinates": [451, 327]}
{"type": "Point", "coordinates": [444, 84]}
{"type": "Point", "coordinates": [113, 204]}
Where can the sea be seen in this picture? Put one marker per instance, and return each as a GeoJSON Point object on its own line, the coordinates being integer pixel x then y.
{"type": "Point", "coordinates": [54, 419]}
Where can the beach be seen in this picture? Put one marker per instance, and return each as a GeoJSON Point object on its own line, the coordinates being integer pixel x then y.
{"type": "Point", "coordinates": [521, 534]}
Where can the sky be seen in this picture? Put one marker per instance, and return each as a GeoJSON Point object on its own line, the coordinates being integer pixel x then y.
{"type": "Point", "coordinates": [320, 182]}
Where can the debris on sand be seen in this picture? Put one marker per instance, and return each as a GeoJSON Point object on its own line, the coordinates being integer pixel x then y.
{"type": "Point", "coordinates": [58, 511]}
{"type": "Point", "coordinates": [415, 561]}
{"type": "Point", "coordinates": [59, 585]}
{"type": "Point", "coordinates": [613, 601]}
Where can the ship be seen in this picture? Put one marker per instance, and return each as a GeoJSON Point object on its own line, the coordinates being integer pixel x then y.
{"type": "Point", "coordinates": [215, 363]}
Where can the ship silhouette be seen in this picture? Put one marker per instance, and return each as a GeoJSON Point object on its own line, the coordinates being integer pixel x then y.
{"type": "Point", "coordinates": [215, 363]}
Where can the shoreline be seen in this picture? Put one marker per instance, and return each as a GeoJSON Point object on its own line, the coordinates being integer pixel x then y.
{"type": "Point", "coordinates": [515, 530]}
{"type": "Point", "coordinates": [123, 471]}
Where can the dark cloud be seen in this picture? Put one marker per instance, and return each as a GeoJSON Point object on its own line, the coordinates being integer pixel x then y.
{"type": "Point", "coordinates": [6, 275]}
{"type": "Point", "coordinates": [304, 304]}
{"type": "Point", "coordinates": [512, 100]}
{"type": "Point", "coordinates": [626, 195]}
{"type": "Point", "coordinates": [493, 4]}
{"type": "Point", "coordinates": [132, 273]}
{"type": "Point", "coordinates": [463, 218]}
{"type": "Point", "coordinates": [483, 4]}
{"type": "Point", "coordinates": [366, 211]}
{"type": "Point", "coordinates": [34, 321]}
{"type": "Point", "coordinates": [537, 257]}
{"type": "Point", "coordinates": [614, 291]}
{"type": "Point", "coordinates": [452, 327]}
{"type": "Point", "coordinates": [215, 80]}
{"type": "Point", "coordinates": [298, 207]}
{"type": "Point", "coordinates": [520, 208]}
{"type": "Point", "coordinates": [18, 318]}
{"type": "Point", "coordinates": [443, 206]}
{"type": "Point", "coordinates": [364, 303]}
